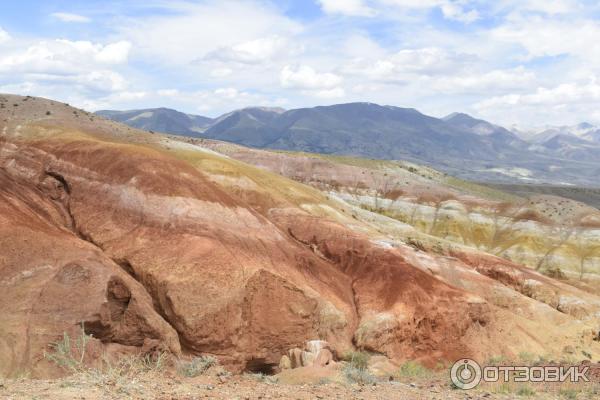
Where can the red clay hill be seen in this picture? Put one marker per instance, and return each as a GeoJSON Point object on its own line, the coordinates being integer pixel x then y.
{"type": "Point", "coordinates": [155, 244]}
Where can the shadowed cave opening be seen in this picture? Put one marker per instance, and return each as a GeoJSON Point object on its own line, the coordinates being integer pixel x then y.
{"type": "Point", "coordinates": [260, 366]}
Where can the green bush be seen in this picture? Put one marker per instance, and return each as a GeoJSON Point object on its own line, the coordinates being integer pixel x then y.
{"type": "Point", "coordinates": [197, 366]}
{"type": "Point", "coordinates": [357, 359]}
{"type": "Point", "coordinates": [356, 371]}
{"type": "Point", "coordinates": [358, 375]}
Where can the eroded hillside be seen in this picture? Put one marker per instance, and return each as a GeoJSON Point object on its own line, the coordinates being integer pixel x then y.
{"type": "Point", "coordinates": [157, 243]}
{"type": "Point", "coordinates": [548, 233]}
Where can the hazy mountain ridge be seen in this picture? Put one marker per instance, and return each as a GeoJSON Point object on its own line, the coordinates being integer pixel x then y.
{"type": "Point", "coordinates": [492, 152]}
{"type": "Point", "coordinates": [161, 120]}
{"type": "Point", "coordinates": [584, 131]}
{"type": "Point", "coordinates": [576, 142]}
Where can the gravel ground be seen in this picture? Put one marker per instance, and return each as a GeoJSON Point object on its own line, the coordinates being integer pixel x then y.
{"type": "Point", "coordinates": [164, 386]}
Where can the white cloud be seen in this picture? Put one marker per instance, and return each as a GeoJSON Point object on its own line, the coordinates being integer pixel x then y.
{"type": "Point", "coordinates": [347, 7]}
{"type": "Point", "coordinates": [61, 66]}
{"type": "Point", "coordinates": [228, 93]}
{"type": "Point", "coordinates": [254, 51]}
{"type": "Point", "coordinates": [408, 64]}
{"type": "Point", "coordinates": [168, 92]}
{"type": "Point", "coordinates": [101, 80]}
{"type": "Point", "coordinates": [24, 87]}
{"type": "Point", "coordinates": [456, 12]}
{"type": "Point", "coordinates": [451, 9]}
{"type": "Point", "coordinates": [305, 77]}
{"type": "Point", "coordinates": [334, 93]}
{"type": "Point", "coordinates": [311, 82]}
{"type": "Point", "coordinates": [542, 37]}
{"type": "Point", "coordinates": [360, 45]}
{"type": "Point", "coordinates": [186, 31]}
{"type": "Point", "coordinates": [427, 60]}
{"type": "Point", "coordinates": [413, 3]}
{"type": "Point", "coordinates": [98, 80]}
{"type": "Point", "coordinates": [564, 104]}
{"type": "Point", "coordinates": [549, 7]}
{"type": "Point", "coordinates": [497, 80]}
{"type": "Point", "coordinates": [564, 94]}
{"type": "Point", "coordinates": [63, 56]}
{"type": "Point", "coordinates": [69, 17]}
{"type": "Point", "coordinates": [114, 53]}
{"type": "Point", "coordinates": [221, 72]}
{"type": "Point", "coordinates": [126, 96]}
{"type": "Point", "coordinates": [118, 100]}
{"type": "Point", "coordinates": [4, 36]}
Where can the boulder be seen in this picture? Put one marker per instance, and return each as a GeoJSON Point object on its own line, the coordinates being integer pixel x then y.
{"type": "Point", "coordinates": [285, 363]}
{"type": "Point", "coordinates": [323, 359]}
{"type": "Point", "coordinates": [308, 358]}
{"type": "Point", "coordinates": [314, 346]}
{"type": "Point", "coordinates": [295, 356]}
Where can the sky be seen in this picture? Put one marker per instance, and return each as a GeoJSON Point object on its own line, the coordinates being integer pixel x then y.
{"type": "Point", "coordinates": [513, 62]}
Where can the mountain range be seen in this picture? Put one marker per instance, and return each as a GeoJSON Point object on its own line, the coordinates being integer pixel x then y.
{"type": "Point", "coordinates": [458, 144]}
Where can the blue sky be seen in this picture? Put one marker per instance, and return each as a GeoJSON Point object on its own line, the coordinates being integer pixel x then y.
{"type": "Point", "coordinates": [524, 62]}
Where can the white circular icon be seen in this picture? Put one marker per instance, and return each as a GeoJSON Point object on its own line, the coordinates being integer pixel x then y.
{"type": "Point", "coordinates": [465, 374]}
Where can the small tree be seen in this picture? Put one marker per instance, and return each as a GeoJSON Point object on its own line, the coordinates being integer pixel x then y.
{"type": "Point", "coordinates": [581, 246]}
{"type": "Point", "coordinates": [386, 187]}
{"type": "Point", "coordinates": [558, 236]}
{"type": "Point", "coordinates": [438, 202]}
{"type": "Point", "coordinates": [504, 215]}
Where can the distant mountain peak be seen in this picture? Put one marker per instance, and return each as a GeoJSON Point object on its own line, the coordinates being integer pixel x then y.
{"type": "Point", "coordinates": [585, 125]}
{"type": "Point", "coordinates": [457, 115]}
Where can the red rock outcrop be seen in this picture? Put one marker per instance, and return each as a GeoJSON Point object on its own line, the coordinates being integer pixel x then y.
{"type": "Point", "coordinates": [404, 312]}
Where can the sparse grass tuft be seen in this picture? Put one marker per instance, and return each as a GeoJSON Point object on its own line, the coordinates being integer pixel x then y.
{"type": "Point", "coordinates": [259, 376]}
{"type": "Point", "coordinates": [412, 369]}
{"type": "Point", "coordinates": [357, 375]}
{"type": "Point", "coordinates": [528, 358]}
{"type": "Point", "coordinates": [197, 366]}
{"type": "Point", "coordinates": [357, 359]}
{"type": "Point", "coordinates": [568, 393]}
{"type": "Point", "coordinates": [69, 354]}
{"type": "Point", "coordinates": [526, 391]}
{"type": "Point", "coordinates": [123, 375]}
{"type": "Point", "coordinates": [356, 371]}
{"type": "Point", "coordinates": [496, 360]}
{"type": "Point", "coordinates": [502, 388]}
{"type": "Point", "coordinates": [132, 365]}
{"type": "Point", "coordinates": [324, 381]}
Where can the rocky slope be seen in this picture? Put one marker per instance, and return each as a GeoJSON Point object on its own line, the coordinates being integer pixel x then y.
{"type": "Point", "coordinates": [156, 243]}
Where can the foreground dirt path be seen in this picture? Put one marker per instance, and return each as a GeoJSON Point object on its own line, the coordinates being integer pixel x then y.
{"type": "Point", "coordinates": [256, 387]}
